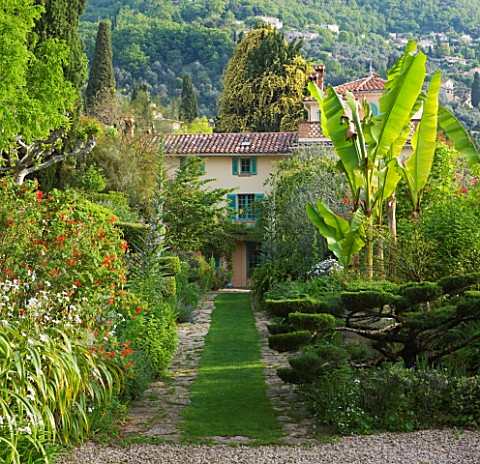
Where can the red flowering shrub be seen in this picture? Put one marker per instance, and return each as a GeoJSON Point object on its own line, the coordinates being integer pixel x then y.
{"type": "Point", "coordinates": [62, 244]}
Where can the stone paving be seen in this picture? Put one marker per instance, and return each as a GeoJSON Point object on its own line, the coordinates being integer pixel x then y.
{"type": "Point", "coordinates": [158, 413]}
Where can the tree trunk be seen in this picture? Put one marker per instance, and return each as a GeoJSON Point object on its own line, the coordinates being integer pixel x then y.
{"type": "Point", "coordinates": [369, 247]}
{"type": "Point", "coordinates": [392, 229]}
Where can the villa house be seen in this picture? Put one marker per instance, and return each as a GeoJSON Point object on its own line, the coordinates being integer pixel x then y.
{"type": "Point", "coordinates": [245, 160]}
{"type": "Point", "coordinates": [242, 161]}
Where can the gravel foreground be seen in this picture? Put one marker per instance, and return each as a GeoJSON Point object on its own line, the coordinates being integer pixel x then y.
{"type": "Point", "coordinates": [424, 447]}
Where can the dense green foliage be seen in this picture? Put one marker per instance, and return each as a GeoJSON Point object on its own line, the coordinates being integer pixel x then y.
{"type": "Point", "coordinates": [353, 16]}
{"type": "Point", "coordinates": [476, 90]}
{"type": "Point", "coordinates": [264, 85]}
{"type": "Point", "coordinates": [193, 212]}
{"type": "Point", "coordinates": [60, 20]}
{"type": "Point", "coordinates": [291, 243]}
{"type": "Point", "coordinates": [158, 40]}
{"type": "Point", "coordinates": [33, 92]}
{"type": "Point", "coordinates": [188, 110]}
{"type": "Point", "coordinates": [100, 91]}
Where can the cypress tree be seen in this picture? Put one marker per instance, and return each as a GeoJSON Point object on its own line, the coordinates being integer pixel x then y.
{"type": "Point", "coordinates": [188, 101]}
{"type": "Point", "coordinates": [60, 20]}
{"type": "Point", "coordinates": [264, 84]}
{"type": "Point", "coordinates": [100, 92]}
{"type": "Point", "coordinates": [476, 90]}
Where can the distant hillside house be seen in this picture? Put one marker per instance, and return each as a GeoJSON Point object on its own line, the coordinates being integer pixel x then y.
{"type": "Point", "coordinates": [277, 23]}
{"type": "Point", "coordinates": [242, 161]}
{"type": "Point", "coordinates": [330, 27]}
{"type": "Point", "coordinates": [447, 90]}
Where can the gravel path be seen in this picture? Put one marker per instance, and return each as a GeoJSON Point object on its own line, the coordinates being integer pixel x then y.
{"type": "Point", "coordinates": [426, 447]}
{"type": "Point", "coordinates": [158, 414]}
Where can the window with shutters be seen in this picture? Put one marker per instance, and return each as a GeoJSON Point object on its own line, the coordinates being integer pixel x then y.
{"type": "Point", "coordinates": [244, 166]}
{"type": "Point", "coordinates": [243, 205]}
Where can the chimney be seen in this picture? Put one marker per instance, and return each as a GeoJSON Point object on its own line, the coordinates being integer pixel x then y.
{"type": "Point", "coordinates": [320, 75]}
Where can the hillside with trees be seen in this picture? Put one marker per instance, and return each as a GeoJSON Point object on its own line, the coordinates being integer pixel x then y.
{"type": "Point", "coordinates": [156, 42]}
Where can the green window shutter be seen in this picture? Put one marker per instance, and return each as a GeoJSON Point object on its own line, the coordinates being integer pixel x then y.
{"type": "Point", "coordinates": [232, 204]}
{"type": "Point", "coordinates": [253, 165]}
{"type": "Point", "coordinates": [258, 197]}
{"type": "Point", "coordinates": [183, 161]}
{"type": "Point", "coordinates": [203, 170]}
{"type": "Point", "coordinates": [235, 166]}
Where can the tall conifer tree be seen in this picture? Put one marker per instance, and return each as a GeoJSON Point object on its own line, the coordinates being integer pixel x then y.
{"type": "Point", "coordinates": [60, 21]}
{"type": "Point", "coordinates": [100, 92]}
{"type": "Point", "coordinates": [188, 102]}
{"type": "Point", "coordinates": [476, 90]}
{"type": "Point", "coordinates": [264, 84]}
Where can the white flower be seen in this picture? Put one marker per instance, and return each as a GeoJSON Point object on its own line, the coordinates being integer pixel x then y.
{"type": "Point", "coordinates": [26, 429]}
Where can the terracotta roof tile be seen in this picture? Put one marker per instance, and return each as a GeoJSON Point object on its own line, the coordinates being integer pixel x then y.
{"type": "Point", "coordinates": [370, 83]}
{"type": "Point", "coordinates": [230, 143]}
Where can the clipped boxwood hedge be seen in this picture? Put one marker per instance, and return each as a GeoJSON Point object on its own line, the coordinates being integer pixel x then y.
{"type": "Point", "coordinates": [134, 233]}
{"type": "Point", "coordinates": [291, 341]}
{"type": "Point", "coordinates": [312, 322]}
{"type": "Point", "coordinates": [282, 308]}
{"type": "Point", "coordinates": [289, 375]}
{"type": "Point", "coordinates": [458, 284]}
{"type": "Point", "coordinates": [420, 292]}
{"type": "Point", "coordinates": [170, 265]}
{"type": "Point", "coordinates": [274, 329]}
{"type": "Point", "coordinates": [169, 286]}
{"type": "Point", "coordinates": [365, 300]}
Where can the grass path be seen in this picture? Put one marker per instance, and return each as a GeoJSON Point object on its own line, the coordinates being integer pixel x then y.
{"type": "Point", "coordinates": [228, 396]}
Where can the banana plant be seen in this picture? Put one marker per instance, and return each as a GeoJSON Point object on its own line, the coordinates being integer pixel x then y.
{"type": "Point", "coordinates": [370, 148]}
{"type": "Point", "coordinates": [417, 169]}
{"type": "Point", "coordinates": [344, 238]}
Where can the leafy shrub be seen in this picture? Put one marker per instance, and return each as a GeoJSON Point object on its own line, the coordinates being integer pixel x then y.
{"type": "Point", "coordinates": [289, 375]}
{"type": "Point", "coordinates": [67, 243]}
{"type": "Point", "coordinates": [170, 265]}
{"type": "Point", "coordinates": [187, 296]}
{"type": "Point", "coordinates": [459, 283]}
{"type": "Point", "coordinates": [314, 288]}
{"type": "Point", "coordinates": [168, 285]}
{"type": "Point", "coordinates": [117, 203]}
{"type": "Point", "coordinates": [466, 401]}
{"type": "Point", "coordinates": [134, 233]}
{"type": "Point", "coordinates": [335, 401]}
{"type": "Point", "coordinates": [289, 341]}
{"type": "Point", "coordinates": [420, 292]}
{"type": "Point", "coordinates": [155, 333]}
{"type": "Point", "coordinates": [312, 322]}
{"type": "Point", "coordinates": [282, 308]}
{"type": "Point", "coordinates": [274, 329]}
{"type": "Point", "coordinates": [365, 300]}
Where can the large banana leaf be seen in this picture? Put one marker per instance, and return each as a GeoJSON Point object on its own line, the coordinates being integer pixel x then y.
{"type": "Point", "coordinates": [458, 135]}
{"type": "Point", "coordinates": [318, 94]}
{"type": "Point", "coordinates": [399, 144]}
{"type": "Point", "coordinates": [351, 154]}
{"type": "Point", "coordinates": [344, 238]}
{"type": "Point", "coordinates": [420, 162]}
{"type": "Point", "coordinates": [403, 87]}
{"type": "Point", "coordinates": [388, 179]}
